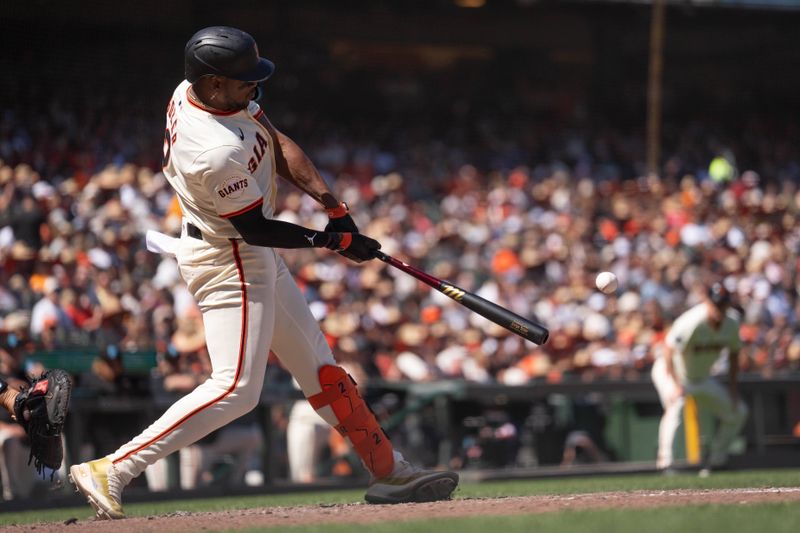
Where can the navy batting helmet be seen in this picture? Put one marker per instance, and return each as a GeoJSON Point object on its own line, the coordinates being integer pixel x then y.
{"type": "Point", "coordinates": [719, 295]}
{"type": "Point", "coordinates": [225, 51]}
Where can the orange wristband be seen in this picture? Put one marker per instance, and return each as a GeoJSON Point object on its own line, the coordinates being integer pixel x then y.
{"type": "Point", "coordinates": [339, 211]}
{"type": "Point", "coordinates": [347, 240]}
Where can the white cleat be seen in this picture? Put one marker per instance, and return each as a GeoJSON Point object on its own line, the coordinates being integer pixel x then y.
{"type": "Point", "coordinates": [98, 482]}
{"type": "Point", "coordinates": [408, 483]}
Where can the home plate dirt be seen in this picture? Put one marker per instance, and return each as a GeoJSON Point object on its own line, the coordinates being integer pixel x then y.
{"type": "Point", "coordinates": [362, 513]}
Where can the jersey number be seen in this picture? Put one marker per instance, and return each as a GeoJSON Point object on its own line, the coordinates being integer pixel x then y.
{"type": "Point", "coordinates": [167, 149]}
{"type": "Point", "coordinates": [169, 140]}
{"type": "Point", "coordinates": [169, 137]}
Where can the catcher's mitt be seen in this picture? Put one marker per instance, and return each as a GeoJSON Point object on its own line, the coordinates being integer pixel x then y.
{"type": "Point", "coordinates": [47, 401]}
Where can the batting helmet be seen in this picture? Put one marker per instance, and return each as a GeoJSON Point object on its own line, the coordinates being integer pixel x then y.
{"type": "Point", "coordinates": [719, 295]}
{"type": "Point", "coordinates": [225, 51]}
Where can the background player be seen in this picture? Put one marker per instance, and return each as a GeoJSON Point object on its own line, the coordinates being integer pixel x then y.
{"type": "Point", "coordinates": [693, 344]}
{"type": "Point", "coordinates": [222, 155]}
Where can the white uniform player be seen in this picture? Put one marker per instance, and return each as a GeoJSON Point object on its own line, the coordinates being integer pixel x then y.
{"type": "Point", "coordinates": [222, 157]}
{"type": "Point", "coordinates": [694, 343]}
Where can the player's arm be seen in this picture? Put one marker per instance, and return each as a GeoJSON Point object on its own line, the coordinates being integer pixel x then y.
{"type": "Point", "coordinates": [293, 165]}
{"type": "Point", "coordinates": [668, 362]}
{"type": "Point", "coordinates": [671, 343]}
{"type": "Point", "coordinates": [675, 344]}
{"type": "Point", "coordinates": [669, 365]}
{"type": "Point", "coordinates": [237, 198]}
{"type": "Point", "coordinates": [257, 230]}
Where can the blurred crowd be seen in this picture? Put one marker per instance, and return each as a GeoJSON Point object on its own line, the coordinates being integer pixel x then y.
{"type": "Point", "coordinates": [481, 174]}
{"type": "Point", "coordinates": [522, 202]}
{"type": "Point", "coordinates": [533, 240]}
{"type": "Point", "coordinates": [75, 271]}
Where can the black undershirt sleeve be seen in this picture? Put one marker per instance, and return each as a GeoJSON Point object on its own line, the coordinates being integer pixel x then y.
{"type": "Point", "coordinates": [260, 231]}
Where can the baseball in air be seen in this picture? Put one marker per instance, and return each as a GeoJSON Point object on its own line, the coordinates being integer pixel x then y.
{"type": "Point", "coordinates": [606, 282]}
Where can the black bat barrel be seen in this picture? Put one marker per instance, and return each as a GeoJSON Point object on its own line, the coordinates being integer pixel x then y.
{"type": "Point", "coordinates": [499, 315]}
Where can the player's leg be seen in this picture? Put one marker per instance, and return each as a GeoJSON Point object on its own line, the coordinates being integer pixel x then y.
{"type": "Point", "coordinates": [16, 477]}
{"type": "Point", "coordinates": [671, 419]}
{"type": "Point", "coordinates": [238, 328]}
{"type": "Point", "coordinates": [305, 441]}
{"type": "Point", "coordinates": [232, 390]}
{"type": "Point", "coordinates": [301, 347]}
{"type": "Point", "coordinates": [712, 396]}
{"type": "Point", "coordinates": [191, 461]}
{"type": "Point", "coordinates": [240, 442]}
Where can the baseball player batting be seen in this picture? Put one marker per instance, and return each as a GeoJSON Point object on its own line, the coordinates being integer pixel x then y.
{"type": "Point", "coordinates": [694, 343]}
{"type": "Point", "coordinates": [222, 157]}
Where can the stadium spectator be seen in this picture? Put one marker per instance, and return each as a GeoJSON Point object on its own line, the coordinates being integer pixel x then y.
{"type": "Point", "coordinates": [530, 213]}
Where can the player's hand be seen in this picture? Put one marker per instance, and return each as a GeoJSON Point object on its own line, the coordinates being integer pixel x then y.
{"type": "Point", "coordinates": [341, 222]}
{"type": "Point", "coordinates": [358, 247]}
{"type": "Point", "coordinates": [677, 393]}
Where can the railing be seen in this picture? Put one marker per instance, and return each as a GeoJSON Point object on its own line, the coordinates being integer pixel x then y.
{"type": "Point", "coordinates": [622, 414]}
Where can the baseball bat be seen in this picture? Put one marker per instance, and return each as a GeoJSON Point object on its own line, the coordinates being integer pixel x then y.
{"type": "Point", "coordinates": [499, 315]}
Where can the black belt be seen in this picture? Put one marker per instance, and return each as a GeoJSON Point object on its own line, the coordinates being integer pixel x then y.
{"type": "Point", "coordinates": [193, 231]}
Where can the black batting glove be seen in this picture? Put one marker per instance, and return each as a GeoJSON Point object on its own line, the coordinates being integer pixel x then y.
{"type": "Point", "coordinates": [354, 246]}
{"type": "Point", "coordinates": [341, 222]}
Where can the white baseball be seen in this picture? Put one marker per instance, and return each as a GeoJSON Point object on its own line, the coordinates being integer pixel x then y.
{"type": "Point", "coordinates": [606, 282]}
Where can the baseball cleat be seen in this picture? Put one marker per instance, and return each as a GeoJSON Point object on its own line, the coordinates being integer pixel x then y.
{"type": "Point", "coordinates": [98, 482]}
{"type": "Point", "coordinates": [408, 483]}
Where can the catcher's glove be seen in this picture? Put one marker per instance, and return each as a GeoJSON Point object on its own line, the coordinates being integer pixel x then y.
{"type": "Point", "coordinates": [46, 402]}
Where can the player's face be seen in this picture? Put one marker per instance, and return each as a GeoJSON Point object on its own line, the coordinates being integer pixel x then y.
{"type": "Point", "coordinates": [235, 94]}
{"type": "Point", "coordinates": [716, 313]}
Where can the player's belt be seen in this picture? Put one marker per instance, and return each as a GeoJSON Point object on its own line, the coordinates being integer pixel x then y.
{"type": "Point", "coordinates": [193, 231]}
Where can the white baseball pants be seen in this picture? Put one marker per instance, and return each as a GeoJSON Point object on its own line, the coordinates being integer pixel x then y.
{"type": "Point", "coordinates": [250, 304]}
{"type": "Point", "coordinates": [709, 395]}
{"type": "Point", "coordinates": [306, 439]}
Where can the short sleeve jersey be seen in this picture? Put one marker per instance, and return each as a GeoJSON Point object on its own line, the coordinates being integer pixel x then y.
{"type": "Point", "coordinates": [697, 346]}
{"type": "Point", "coordinates": [220, 164]}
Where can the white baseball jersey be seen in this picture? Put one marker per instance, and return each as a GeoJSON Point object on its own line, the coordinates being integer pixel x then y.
{"type": "Point", "coordinates": [697, 346]}
{"type": "Point", "coordinates": [220, 164]}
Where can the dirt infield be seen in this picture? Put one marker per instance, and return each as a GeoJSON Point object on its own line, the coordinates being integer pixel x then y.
{"type": "Point", "coordinates": [363, 513]}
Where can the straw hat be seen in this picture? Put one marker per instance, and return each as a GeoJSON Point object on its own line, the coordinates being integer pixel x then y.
{"type": "Point", "coordinates": [190, 335]}
{"type": "Point", "coordinates": [109, 178]}
{"type": "Point", "coordinates": [20, 251]}
{"type": "Point", "coordinates": [340, 324]}
{"type": "Point", "coordinates": [69, 187]}
{"type": "Point", "coordinates": [16, 321]}
{"type": "Point", "coordinates": [412, 334]}
{"type": "Point", "coordinates": [413, 366]}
